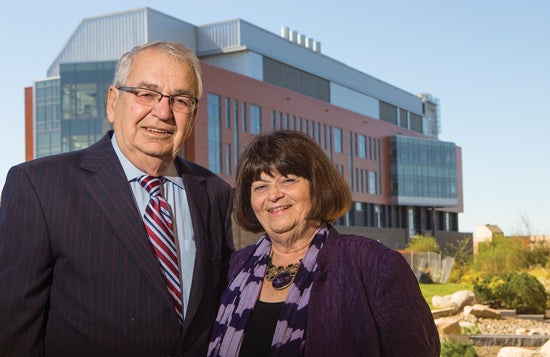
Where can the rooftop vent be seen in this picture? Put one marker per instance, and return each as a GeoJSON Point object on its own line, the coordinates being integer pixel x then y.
{"type": "Point", "coordinates": [300, 40]}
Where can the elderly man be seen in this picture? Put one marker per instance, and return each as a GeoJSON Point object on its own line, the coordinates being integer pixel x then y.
{"type": "Point", "coordinates": [120, 249]}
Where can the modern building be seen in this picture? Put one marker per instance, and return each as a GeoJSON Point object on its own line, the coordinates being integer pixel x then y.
{"type": "Point", "coordinates": [383, 139]}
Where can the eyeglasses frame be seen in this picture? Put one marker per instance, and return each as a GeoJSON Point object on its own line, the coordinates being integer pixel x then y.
{"type": "Point", "coordinates": [170, 97]}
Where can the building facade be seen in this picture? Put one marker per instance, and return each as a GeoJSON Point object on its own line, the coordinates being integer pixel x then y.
{"type": "Point", "coordinates": [382, 139]}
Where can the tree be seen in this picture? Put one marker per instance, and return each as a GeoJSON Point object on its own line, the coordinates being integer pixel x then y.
{"type": "Point", "coordinates": [524, 227]}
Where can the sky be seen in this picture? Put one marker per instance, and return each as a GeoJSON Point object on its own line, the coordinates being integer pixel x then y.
{"type": "Point", "coordinates": [488, 63]}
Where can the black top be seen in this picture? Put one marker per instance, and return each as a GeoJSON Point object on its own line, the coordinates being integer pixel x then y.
{"type": "Point", "coordinates": [260, 329]}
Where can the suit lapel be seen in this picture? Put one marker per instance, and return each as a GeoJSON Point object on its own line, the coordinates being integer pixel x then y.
{"type": "Point", "coordinates": [109, 188]}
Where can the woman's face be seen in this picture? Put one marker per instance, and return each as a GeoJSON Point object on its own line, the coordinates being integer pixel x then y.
{"type": "Point", "coordinates": [281, 204]}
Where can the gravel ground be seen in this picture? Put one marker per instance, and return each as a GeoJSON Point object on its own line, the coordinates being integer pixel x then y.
{"type": "Point", "coordinates": [489, 351]}
{"type": "Point", "coordinates": [512, 326]}
{"type": "Point", "coordinates": [508, 326]}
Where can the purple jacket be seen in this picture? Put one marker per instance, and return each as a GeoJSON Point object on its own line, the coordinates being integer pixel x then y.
{"type": "Point", "coordinates": [365, 301]}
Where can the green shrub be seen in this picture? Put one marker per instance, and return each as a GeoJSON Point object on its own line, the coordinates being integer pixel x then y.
{"type": "Point", "coordinates": [470, 330]}
{"type": "Point", "coordinates": [502, 255]}
{"type": "Point", "coordinates": [424, 244]}
{"type": "Point", "coordinates": [519, 291]}
{"type": "Point", "coordinates": [538, 256]}
{"type": "Point", "coordinates": [461, 251]}
{"type": "Point", "coordinates": [543, 276]}
{"type": "Point", "coordinates": [457, 349]}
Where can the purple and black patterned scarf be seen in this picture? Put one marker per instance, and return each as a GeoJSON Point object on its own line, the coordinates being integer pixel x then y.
{"type": "Point", "coordinates": [239, 299]}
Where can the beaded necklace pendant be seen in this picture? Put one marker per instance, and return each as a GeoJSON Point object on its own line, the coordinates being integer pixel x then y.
{"type": "Point", "coordinates": [281, 276]}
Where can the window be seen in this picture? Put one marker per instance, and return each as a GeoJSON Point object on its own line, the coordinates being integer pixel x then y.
{"type": "Point", "coordinates": [214, 133]}
{"type": "Point", "coordinates": [48, 132]}
{"type": "Point", "coordinates": [403, 118]}
{"type": "Point", "coordinates": [235, 131]}
{"type": "Point", "coordinates": [294, 79]}
{"type": "Point", "coordinates": [82, 89]}
{"type": "Point", "coordinates": [388, 112]}
{"type": "Point", "coordinates": [337, 140]}
{"type": "Point", "coordinates": [362, 146]}
{"type": "Point", "coordinates": [243, 117]}
{"type": "Point", "coordinates": [227, 114]}
{"type": "Point", "coordinates": [423, 170]}
{"type": "Point", "coordinates": [370, 148]}
{"type": "Point", "coordinates": [372, 183]}
{"type": "Point", "coordinates": [255, 119]}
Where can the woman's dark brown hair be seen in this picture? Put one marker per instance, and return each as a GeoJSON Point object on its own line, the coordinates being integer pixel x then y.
{"type": "Point", "coordinates": [290, 153]}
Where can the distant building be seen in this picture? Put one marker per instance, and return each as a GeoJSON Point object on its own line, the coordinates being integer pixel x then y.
{"type": "Point", "coordinates": [539, 240]}
{"type": "Point", "coordinates": [486, 233]}
{"type": "Point", "coordinates": [383, 139]}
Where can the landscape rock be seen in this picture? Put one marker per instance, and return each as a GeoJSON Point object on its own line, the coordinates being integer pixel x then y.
{"type": "Point", "coordinates": [444, 312]}
{"type": "Point", "coordinates": [447, 326]}
{"type": "Point", "coordinates": [443, 302]}
{"type": "Point", "coordinates": [458, 300]}
{"type": "Point", "coordinates": [545, 349]}
{"type": "Point", "coordinates": [463, 298]}
{"type": "Point", "coordinates": [481, 311]}
{"type": "Point", "coordinates": [480, 322]}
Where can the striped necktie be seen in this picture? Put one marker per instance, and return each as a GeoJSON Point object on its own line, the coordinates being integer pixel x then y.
{"type": "Point", "coordinates": [161, 234]}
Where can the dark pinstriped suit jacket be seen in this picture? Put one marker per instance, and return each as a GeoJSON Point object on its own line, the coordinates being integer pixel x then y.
{"type": "Point", "coordinates": [78, 276]}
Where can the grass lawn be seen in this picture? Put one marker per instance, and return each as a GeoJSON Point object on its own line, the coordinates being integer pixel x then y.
{"type": "Point", "coordinates": [429, 290]}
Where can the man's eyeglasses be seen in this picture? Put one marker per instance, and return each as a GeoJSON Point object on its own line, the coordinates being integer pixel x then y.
{"type": "Point", "coordinates": [180, 103]}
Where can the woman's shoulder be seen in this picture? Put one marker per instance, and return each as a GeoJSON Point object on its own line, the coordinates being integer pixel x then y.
{"type": "Point", "coordinates": [238, 258]}
{"type": "Point", "coordinates": [357, 242]}
{"type": "Point", "coordinates": [243, 253]}
{"type": "Point", "coordinates": [353, 247]}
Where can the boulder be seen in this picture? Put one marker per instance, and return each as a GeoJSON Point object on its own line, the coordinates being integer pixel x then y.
{"type": "Point", "coordinates": [444, 312]}
{"type": "Point", "coordinates": [443, 302]}
{"type": "Point", "coordinates": [481, 311]}
{"type": "Point", "coordinates": [545, 349]}
{"type": "Point", "coordinates": [463, 298]}
{"type": "Point", "coordinates": [447, 326]}
{"type": "Point", "coordinates": [457, 300]}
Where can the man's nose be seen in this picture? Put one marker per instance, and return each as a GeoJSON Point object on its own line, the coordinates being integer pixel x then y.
{"type": "Point", "coordinates": [163, 110]}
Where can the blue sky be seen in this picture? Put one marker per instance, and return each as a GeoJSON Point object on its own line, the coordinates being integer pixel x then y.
{"type": "Point", "coordinates": [487, 62]}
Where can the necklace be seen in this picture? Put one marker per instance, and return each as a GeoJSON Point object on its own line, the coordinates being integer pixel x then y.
{"type": "Point", "coordinates": [281, 276]}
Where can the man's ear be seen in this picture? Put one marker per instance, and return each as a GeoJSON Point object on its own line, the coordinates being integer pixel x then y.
{"type": "Point", "coordinates": [112, 100]}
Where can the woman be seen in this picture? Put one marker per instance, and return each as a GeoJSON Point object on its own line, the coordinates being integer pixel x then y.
{"type": "Point", "coordinates": [304, 289]}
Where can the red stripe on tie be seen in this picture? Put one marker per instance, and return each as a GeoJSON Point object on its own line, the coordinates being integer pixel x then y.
{"type": "Point", "coordinates": [158, 225]}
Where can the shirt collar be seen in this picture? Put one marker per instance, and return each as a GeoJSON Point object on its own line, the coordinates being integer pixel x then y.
{"type": "Point", "coordinates": [132, 172]}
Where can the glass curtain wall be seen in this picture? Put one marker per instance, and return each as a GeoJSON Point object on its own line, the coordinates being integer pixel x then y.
{"type": "Point", "coordinates": [83, 93]}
